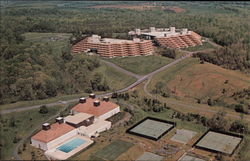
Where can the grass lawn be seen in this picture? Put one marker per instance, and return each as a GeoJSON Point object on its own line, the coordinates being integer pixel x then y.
{"type": "Point", "coordinates": [21, 104]}
{"type": "Point", "coordinates": [113, 150]}
{"type": "Point", "coordinates": [55, 40]}
{"type": "Point", "coordinates": [204, 46]}
{"type": "Point", "coordinates": [115, 79]}
{"type": "Point", "coordinates": [19, 125]}
{"type": "Point", "coordinates": [141, 64]}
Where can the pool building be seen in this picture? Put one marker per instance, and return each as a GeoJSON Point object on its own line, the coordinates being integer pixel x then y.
{"type": "Point", "coordinates": [76, 131]}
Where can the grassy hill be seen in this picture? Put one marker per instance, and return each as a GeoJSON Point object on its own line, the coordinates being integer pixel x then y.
{"type": "Point", "coordinates": [190, 79]}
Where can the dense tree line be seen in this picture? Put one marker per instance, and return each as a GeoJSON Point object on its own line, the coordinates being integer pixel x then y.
{"type": "Point", "coordinates": [235, 57]}
{"type": "Point", "coordinates": [30, 71]}
{"type": "Point", "coordinates": [217, 122]}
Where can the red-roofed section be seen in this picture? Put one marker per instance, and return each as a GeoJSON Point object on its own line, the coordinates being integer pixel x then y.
{"type": "Point", "coordinates": [97, 111]}
{"type": "Point", "coordinates": [54, 132]}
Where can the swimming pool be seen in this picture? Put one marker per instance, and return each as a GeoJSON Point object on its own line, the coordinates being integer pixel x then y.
{"type": "Point", "coordinates": [71, 145]}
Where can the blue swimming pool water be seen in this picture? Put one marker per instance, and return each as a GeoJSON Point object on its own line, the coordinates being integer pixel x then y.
{"type": "Point", "coordinates": [71, 145]}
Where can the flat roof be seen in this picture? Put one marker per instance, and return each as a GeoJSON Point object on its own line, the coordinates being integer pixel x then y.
{"type": "Point", "coordinates": [219, 142]}
{"type": "Point", "coordinates": [160, 33]}
{"type": "Point", "coordinates": [112, 40]}
{"type": "Point", "coordinates": [77, 118]}
{"type": "Point", "coordinates": [89, 108]}
{"type": "Point", "coordinates": [94, 127]}
{"type": "Point", "coordinates": [56, 130]}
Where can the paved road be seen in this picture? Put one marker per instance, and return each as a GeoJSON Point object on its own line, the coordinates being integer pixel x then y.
{"type": "Point", "coordinates": [139, 81]}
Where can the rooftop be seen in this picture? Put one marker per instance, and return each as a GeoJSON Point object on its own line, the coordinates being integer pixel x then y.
{"type": "Point", "coordinates": [98, 39]}
{"type": "Point", "coordinates": [160, 32]}
{"type": "Point", "coordinates": [94, 127]}
{"type": "Point", "coordinates": [77, 118]}
{"type": "Point", "coordinates": [89, 108]}
{"type": "Point", "coordinates": [56, 130]}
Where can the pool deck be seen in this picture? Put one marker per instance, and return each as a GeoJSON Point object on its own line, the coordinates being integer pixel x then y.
{"type": "Point", "coordinates": [56, 154]}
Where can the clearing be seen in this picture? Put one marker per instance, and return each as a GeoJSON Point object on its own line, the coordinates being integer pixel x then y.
{"type": "Point", "coordinates": [190, 79]}
{"type": "Point", "coordinates": [142, 7]}
{"type": "Point", "coordinates": [55, 40]}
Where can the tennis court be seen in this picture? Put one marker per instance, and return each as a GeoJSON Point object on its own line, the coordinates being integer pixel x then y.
{"type": "Point", "coordinates": [183, 136]}
{"type": "Point", "coordinates": [151, 128]}
{"type": "Point", "coordinates": [147, 156]}
{"type": "Point", "coordinates": [113, 150]}
{"type": "Point", "coordinates": [219, 142]}
{"type": "Point", "coordinates": [187, 157]}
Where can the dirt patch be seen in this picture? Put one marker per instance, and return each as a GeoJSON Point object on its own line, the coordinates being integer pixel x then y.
{"type": "Point", "coordinates": [133, 7]}
{"type": "Point", "coordinates": [175, 9]}
{"type": "Point", "coordinates": [142, 7]}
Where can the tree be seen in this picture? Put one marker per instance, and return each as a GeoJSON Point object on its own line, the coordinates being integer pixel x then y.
{"type": "Point", "coordinates": [43, 109]}
{"type": "Point", "coordinates": [239, 127]}
{"type": "Point", "coordinates": [66, 55]}
{"type": "Point", "coordinates": [170, 53]}
{"type": "Point", "coordinates": [210, 102]}
{"type": "Point", "coordinates": [218, 121]}
{"type": "Point", "coordinates": [241, 108]}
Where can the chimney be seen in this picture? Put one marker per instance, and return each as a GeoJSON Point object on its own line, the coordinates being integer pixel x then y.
{"type": "Point", "coordinates": [59, 120]}
{"type": "Point", "coordinates": [184, 31]}
{"type": "Point", "coordinates": [92, 95]}
{"type": "Point", "coordinates": [172, 29]}
{"type": "Point", "coordinates": [106, 99]}
{"type": "Point", "coordinates": [97, 103]}
{"type": "Point", "coordinates": [152, 29]}
{"type": "Point", "coordinates": [46, 126]}
{"type": "Point", "coordinates": [82, 100]}
{"type": "Point", "coordinates": [137, 31]}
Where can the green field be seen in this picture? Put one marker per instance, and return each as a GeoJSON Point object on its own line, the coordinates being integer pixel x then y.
{"type": "Point", "coordinates": [113, 150]}
{"type": "Point", "coordinates": [115, 79]}
{"type": "Point", "coordinates": [142, 64]}
{"type": "Point", "coordinates": [204, 46]}
{"type": "Point", "coordinates": [19, 125]}
{"type": "Point", "coordinates": [55, 40]}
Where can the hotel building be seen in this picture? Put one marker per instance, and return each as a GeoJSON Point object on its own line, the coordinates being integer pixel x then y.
{"type": "Point", "coordinates": [108, 47]}
{"type": "Point", "coordinates": [169, 37]}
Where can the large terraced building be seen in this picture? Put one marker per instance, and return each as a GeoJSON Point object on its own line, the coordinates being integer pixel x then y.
{"type": "Point", "coordinates": [169, 37]}
{"type": "Point", "coordinates": [108, 47]}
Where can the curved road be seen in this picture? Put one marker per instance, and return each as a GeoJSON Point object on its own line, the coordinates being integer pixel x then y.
{"type": "Point", "coordinates": [140, 79]}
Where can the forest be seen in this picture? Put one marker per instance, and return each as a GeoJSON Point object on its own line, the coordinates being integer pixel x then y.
{"type": "Point", "coordinates": [32, 71]}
